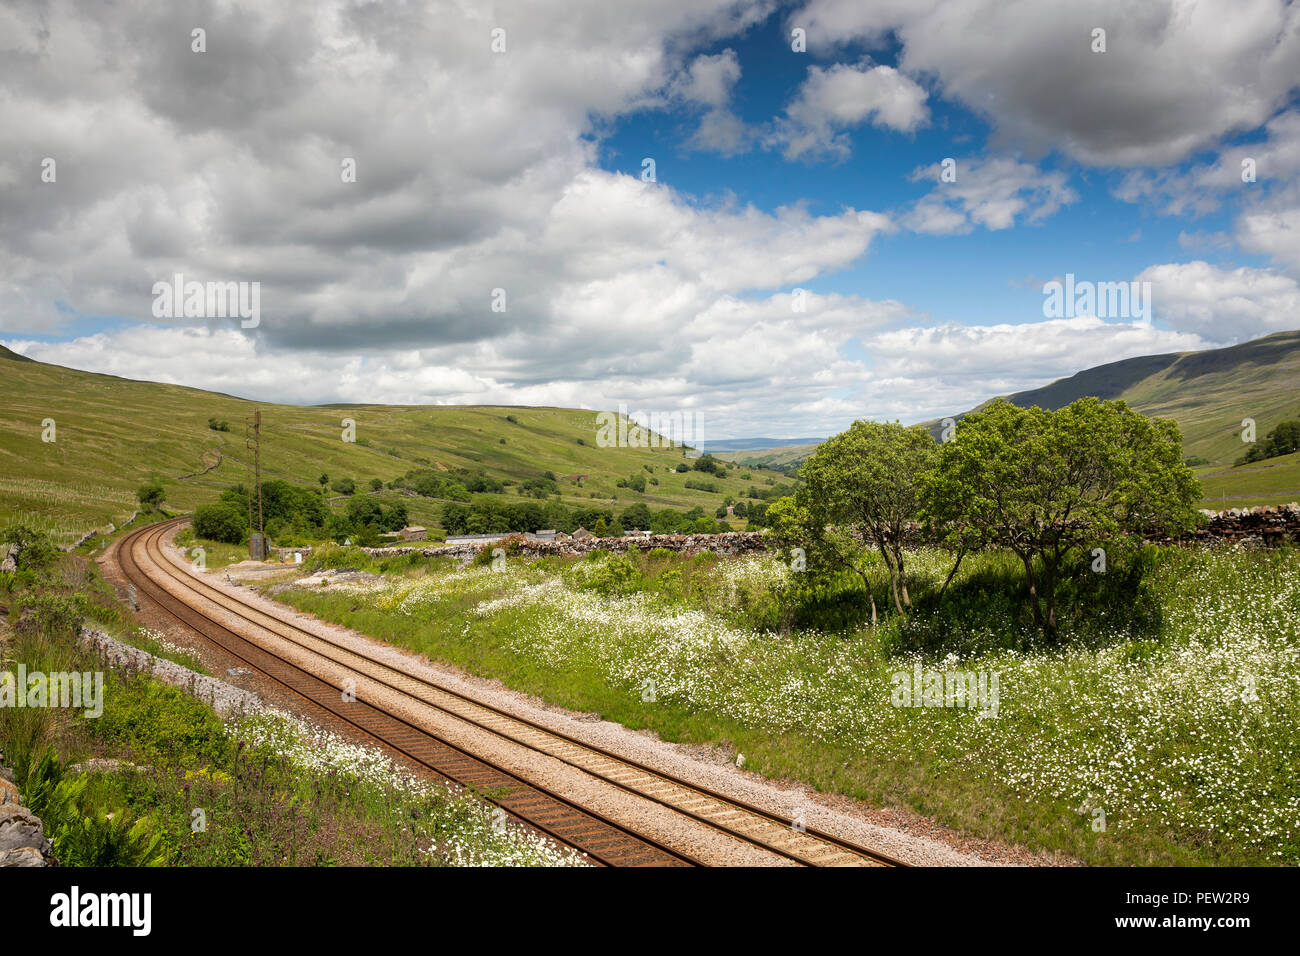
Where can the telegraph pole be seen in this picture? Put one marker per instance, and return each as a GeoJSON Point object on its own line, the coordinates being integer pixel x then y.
{"type": "Point", "coordinates": [253, 442]}
{"type": "Point", "coordinates": [257, 459]}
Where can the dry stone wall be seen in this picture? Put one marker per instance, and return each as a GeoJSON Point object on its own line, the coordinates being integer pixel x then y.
{"type": "Point", "coordinates": [22, 837]}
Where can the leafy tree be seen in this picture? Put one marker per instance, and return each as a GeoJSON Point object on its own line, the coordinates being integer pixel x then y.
{"type": "Point", "coordinates": [862, 488]}
{"type": "Point", "coordinates": [636, 516]}
{"type": "Point", "coordinates": [1044, 483]}
{"type": "Point", "coordinates": [708, 463]}
{"type": "Point", "coordinates": [222, 521]}
{"type": "Point", "coordinates": [150, 494]}
{"type": "Point", "coordinates": [344, 486]}
{"type": "Point", "coordinates": [324, 480]}
{"type": "Point", "coordinates": [376, 484]}
{"type": "Point", "coordinates": [1282, 440]}
{"type": "Point", "coordinates": [455, 518]}
{"type": "Point", "coordinates": [599, 529]}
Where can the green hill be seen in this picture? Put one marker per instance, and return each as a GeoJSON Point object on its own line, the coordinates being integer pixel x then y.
{"type": "Point", "coordinates": [1208, 393]}
{"type": "Point", "coordinates": [111, 434]}
{"type": "Point", "coordinates": [779, 458]}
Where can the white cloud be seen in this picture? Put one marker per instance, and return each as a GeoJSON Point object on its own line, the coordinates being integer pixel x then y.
{"type": "Point", "coordinates": [1176, 76]}
{"type": "Point", "coordinates": [930, 372]}
{"type": "Point", "coordinates": [841, 97]}
{"type": "Point", "coordinates": [993, 193]}
{"type": "Point", "coordinates": [1222, 304]}
{"type": "Point", "coordinates": [1275, 232]}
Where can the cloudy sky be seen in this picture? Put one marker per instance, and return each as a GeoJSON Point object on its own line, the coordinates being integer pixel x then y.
{"type": "Point", "coordinates": [738, 208]}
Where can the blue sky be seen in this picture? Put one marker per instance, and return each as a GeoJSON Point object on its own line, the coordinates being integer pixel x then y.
{"type": "Point", "coordinates": [519, 169]}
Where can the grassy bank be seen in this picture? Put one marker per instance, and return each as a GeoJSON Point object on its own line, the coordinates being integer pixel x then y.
{"type": "Point", "coordinates": [1164, 728]}
{"type": "Point", "coordinates": [158, 778]}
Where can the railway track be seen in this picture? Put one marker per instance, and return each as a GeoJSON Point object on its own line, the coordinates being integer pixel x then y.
{"type": "Point", "coordinates": [470, 742]}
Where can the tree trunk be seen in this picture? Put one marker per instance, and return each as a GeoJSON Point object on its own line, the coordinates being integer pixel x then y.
{"type": "Point", "coordinates": [902, 577]}
{"type": "Point", "coordinates": [1049, 586]}
{"type": "Point", "coordinates": [893, 575]}
{"type": "Point", "coordinates": [948, 580]}
{"type": "Point", "coordinates": [1033, 593]}
{"type": "Point", "coordinates": [866, 583]}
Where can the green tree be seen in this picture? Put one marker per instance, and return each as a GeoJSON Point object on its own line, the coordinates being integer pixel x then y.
{"type": "Point", "coordinates": [866, 484]}
{"type": "Point", "coordinates": [150, 494]}
{"type": "Point", "coordinates": [222, 521]}
{"type": "Point", "coordinates": [636, 516]}
{"type": "Point", "coordinates": [1044, 483]}
{"type": "Point", "coordinates": [376, 484]}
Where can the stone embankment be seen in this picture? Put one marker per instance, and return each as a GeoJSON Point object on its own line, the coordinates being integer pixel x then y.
{"type": "Point", "coordinates": [22, 836]}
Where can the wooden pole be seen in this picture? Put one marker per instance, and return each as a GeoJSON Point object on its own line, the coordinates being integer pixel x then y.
{"type": "Point", "coordinates": [257, 459]}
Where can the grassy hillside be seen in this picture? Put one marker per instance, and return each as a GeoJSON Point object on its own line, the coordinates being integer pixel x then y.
{"type": "Point", "coordinates": [1208, 393]}
{"type": "Point", "coordinates": [113, 433]}
{"type": "Point", "coordinates": [783, 456]}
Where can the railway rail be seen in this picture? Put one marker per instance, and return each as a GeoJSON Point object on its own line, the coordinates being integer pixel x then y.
{"type": "Point", "coordinates": [443, 730]}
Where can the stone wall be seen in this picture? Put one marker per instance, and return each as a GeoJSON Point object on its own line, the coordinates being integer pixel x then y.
{"type": "Point", "coordinates": [728, 542]}
{"type": "Point", "coordinates": [22, 837]}
{"type": "Point", "coordinates": [1270, 525]}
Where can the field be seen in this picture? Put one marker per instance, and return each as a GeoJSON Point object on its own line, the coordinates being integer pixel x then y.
{"type": "Point", "coordinates": [1273, 481]}
{"type": "Point", "coordinates": [1162, 729]}
{"type": "Point", "coordinates": [112, 434]}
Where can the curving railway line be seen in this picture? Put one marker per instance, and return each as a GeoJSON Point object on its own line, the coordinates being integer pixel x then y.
{"type": "Point", "coordinates": [617, 811]}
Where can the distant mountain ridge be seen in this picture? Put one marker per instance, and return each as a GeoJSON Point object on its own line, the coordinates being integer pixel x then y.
{"type": "Point", "coordinates": [754, 444]}
{"type": "Point", "coordinates": [1207, 392]}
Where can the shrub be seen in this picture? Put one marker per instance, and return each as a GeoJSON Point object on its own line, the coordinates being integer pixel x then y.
{"type": "Point", "coordinates": [36, 552]}
{"type": "Point", "coordinates": [224, 521]}
{"type": "Point", "coordinates": [150, 494]}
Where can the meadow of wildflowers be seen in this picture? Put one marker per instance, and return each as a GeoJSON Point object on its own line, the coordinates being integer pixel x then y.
{"type": "Point", "coordinates": [1191, 730]}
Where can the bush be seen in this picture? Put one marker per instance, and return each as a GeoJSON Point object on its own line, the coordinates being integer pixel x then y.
{"type": "Point", "coordinates": [80, 839]}
{"type": "Point", "coordinates": [150, 494]}
{"type": "Point", "coordinates": [336, 556]}
{"type": "Point", "coordinates": [36, 552]}
{"type": "Point", "coordinates": [54, 613]}
{"type": "Point", "coordinates": [224, 521]}
{"type": "Point", "coordinates": [606, 574]}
